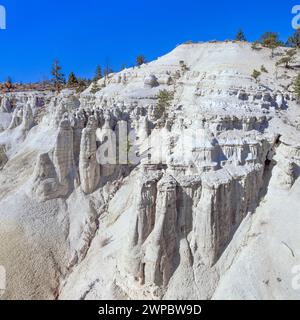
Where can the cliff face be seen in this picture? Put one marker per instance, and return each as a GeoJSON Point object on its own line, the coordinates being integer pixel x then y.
{"type": "Point", "coordinates": [162, 182]}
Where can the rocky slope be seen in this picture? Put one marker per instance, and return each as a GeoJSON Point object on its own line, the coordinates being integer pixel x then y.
{"type": "Point", "coordinates": [176, 180]}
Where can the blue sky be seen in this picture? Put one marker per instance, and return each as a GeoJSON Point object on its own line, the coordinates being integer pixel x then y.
{"type": "Point", "coordinates": [82, 34]}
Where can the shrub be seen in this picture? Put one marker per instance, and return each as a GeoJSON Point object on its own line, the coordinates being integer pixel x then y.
{"type": "Point", "coordinates": [256, 74]}
{"type": "Point", "coordinates": [183, 66]}
{"type": "Point", "coordinates": [95, 88]}
{"type": "Point", "coordinates": [72, 80]}
{"type": "Point", "coordinates": [271, 40]}
{"type": "Point", "coordinates": [164, 102]}
{"type": "Point", "coordinates": [288, 58]}
{"type": "Point", "coordinates": [140, 60]}
{"type": "Point", "coordinates": [294, 40]}
{"type": "Point", "coordinates": [256, 45]}
{"type": "Point", "coordinates": [8, 84]}
{"type": "Point", "coordinates": [189, 42]}
{"type": "Point", "coordinates": [82, 85]}
{"type": "Point", "coordinates": [263, 69]}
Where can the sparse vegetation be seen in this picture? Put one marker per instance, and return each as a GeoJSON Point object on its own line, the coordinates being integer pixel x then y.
{"type": "Point", "coordinates": [189, 42]}
{"type": "Point", "coordinates": [140, 60]}
{"type": "Point", "coordinates": [183, 66]}
{"type": "Point", "coordinates": [95, 88]}
{"type": "Point", "coordinates": [98, 74]}
{"type": "Point", "coordinates": [263, 69]}
{"type": "Point", "coordinates": [256, 45]}
{"type": "Point", "coordinates": [289, 57]}
{"type": "Point", "coordinates": [72, 80]}
{"type": "Point", "coordinates": [8, 84]}
{"type": "Point", "coordinates": [19, 86]}
{"type": "Point", "coordinates": [256, 74]}
{"type": "Point", "coordinates": [240, 36]}
{"type": "Point", "coordinates": [164, 102]}
{"type": "Point", "coordinates": [107, 71]}
{"type": "Point", "coordinates": [58, 77]}
{"type": "Point", "coordinates": [82, 85]}
{"type": "Point", "coordinates": [297, 88]}
{"type": "Point", "coordinates": [294, 40]}
{"type": "Point", "coordinates": [271, 40]}
{"type": "Point", "coordinates": [283, 60]}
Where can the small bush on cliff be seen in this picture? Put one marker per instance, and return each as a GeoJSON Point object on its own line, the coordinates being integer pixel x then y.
{"type": "Point", "coordinates": [289, 57]}
{"type": "Point", "coordinates": [140, 60]}
{"type": "Point", "coordinates": [72, 80]}
{"type": "Point", "coordinates": [165, 98]}
{"type": "Point", "coordinates": [271, 40]}
{"type": "Point", "coordinates": [82, 85]}
{"type": "Point", "coordinates": [294, 40]}
{"type": "Point", "coordinates": [8, 84]}
{"type": "Point", "coordinates": [263, 69]}
{"type": "Point", "coordinates": [256, 74]}
{"type": "Point", "coordinates": [95, 88]}
{"type": "Point", "coordinates": [98, 74]}
{"type": "Point", "coordinates": [256, 45]}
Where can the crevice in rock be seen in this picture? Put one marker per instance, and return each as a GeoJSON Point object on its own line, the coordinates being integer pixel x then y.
{"type": "Point", "coordinates": [291, 250]}
{"type": "Point", "coordinates": [90, 288]}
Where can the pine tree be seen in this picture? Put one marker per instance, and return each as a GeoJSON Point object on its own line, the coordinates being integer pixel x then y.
{"type": "Point", "coordinates": [140, 60]}
{"type": "Point", "coordinates": [95, 88]}
{"type": "Point", "coordinates": [72, 80]}
{"type": "Point", "coordinates": [58, 77]}
{"type": "Point", "coordinates": [294, 40]}
{"type": "Point", "coordinates": [297, 88]}
{"type": "Point", "coordinates": [165, 98]}
{"type": "Point", "coordinates": [271, 40]}
{"type": "Point", "coordinates": [8, 83]}
{"type": "Point", "coordinates": [98, 73]}
{"type": "Point", "coordinates": [108, 70]}
{"type": "Point", "coordinates": [288, 58]}
{"type": "Point", "coordinates": [240, 36]}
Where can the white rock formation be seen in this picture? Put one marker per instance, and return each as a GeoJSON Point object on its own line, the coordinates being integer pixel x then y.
{"type": "Point", "coordinates": [207, 206]}
{"type": "Point", "coordinates": [28, 121]}
{"type": "Point", "coordinates": [55, 171]}
{"type": "Point", "coordinates": [89, 168]}
{"type": "Point", "coordinates": [5, 105]}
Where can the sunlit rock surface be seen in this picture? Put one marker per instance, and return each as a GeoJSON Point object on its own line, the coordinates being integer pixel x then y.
{"type": "Point", "coordinates": [122, 194]}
